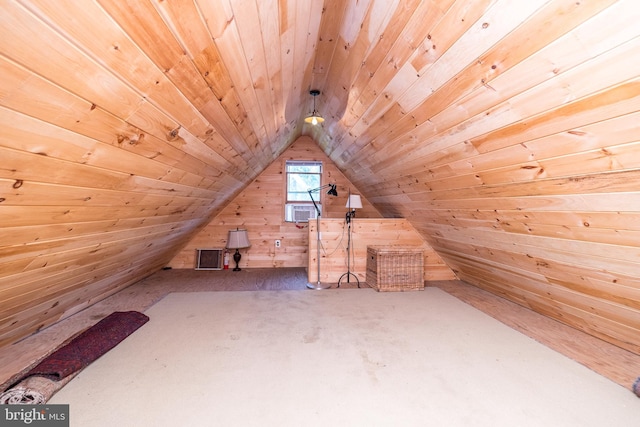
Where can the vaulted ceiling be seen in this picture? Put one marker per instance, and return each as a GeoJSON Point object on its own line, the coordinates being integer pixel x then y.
{"type": "Point", "coordinates": [506, 132]}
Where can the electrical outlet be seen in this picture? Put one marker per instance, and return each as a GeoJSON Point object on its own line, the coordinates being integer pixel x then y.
{"type": "Point", "coordinates": [277, 243]}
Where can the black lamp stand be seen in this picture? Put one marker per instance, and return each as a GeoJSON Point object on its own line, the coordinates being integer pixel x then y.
{"type": "Point", "coordinates": [349, 217]}
{"type": "Point", "coordinates": [236, 258]}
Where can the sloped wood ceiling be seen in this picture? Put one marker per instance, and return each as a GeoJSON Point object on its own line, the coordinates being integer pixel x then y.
{"type": "Point", "coordinates": [506, 132]}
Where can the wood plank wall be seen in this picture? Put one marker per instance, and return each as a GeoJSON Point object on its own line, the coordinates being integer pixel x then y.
{"type": "Point", "coordinates": [365, 232]}
{"type": "Point", "coordinates": [259, 209]}
{"type": "Point", "coordinates": [511, 143]}
{"type": "Point", "coordinates": [505, 131]}
{"type": "Point", "coordinates": [108, 164]}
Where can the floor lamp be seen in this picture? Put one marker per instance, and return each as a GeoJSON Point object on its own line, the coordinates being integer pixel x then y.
{"type": "Point", "coordinates": [332, 192]}
{"type": "Point", "coordinates": [353, 203]}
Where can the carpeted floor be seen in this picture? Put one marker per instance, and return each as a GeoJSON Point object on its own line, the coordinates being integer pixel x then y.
{"type": "Point", "coordinates": [340, 358]}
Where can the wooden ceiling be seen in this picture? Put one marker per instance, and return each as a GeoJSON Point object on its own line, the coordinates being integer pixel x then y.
{"type": "Point", "coordinates": [505, 131]}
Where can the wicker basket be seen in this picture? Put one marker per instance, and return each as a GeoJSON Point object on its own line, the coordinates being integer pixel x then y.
{"type": "Point", "coordinates": [392, 268]}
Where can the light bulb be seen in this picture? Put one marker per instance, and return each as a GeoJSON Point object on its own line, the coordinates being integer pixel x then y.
{"type": "Point", "coordinates": [314, 121]}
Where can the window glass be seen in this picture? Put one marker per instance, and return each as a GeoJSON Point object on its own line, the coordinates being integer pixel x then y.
{"type": "Point", "coordinates": [302, 176]}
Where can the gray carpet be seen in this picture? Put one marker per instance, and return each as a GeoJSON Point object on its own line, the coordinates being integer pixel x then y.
{"type": "Point", "coordinates": [336, 358]}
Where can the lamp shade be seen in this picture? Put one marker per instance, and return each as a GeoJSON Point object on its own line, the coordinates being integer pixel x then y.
{"type": "Point", "coordinates": [354, 202]}
{"type": "Point", "coordinates": [315, 117]}
{"type": "Point", "coordinates": [238, 239]}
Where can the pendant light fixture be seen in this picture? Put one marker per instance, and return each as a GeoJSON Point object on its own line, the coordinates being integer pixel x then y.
{"type": "Point", "coordinates": [315, 117]}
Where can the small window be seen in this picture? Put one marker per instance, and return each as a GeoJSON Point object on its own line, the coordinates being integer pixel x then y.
{"type": "Point", "coordinates": [302, 176]}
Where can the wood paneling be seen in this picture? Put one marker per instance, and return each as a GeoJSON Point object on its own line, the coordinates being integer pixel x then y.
{"type": "Point", "coordinates": [519, 163]}
{"type": "Point", "coordinates": [365, 232]}
{"type": "Point", "coordinates": [504, 132]}
{"type": "Point", "coordinates": [259, 209]}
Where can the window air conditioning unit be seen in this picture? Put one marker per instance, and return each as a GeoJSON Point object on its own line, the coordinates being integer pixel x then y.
{"type": "Point", "coordinates": [300, 212]}
{"type": "Point", "coordinates": [209, 259]}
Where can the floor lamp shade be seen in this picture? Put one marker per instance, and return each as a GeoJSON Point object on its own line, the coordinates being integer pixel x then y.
{"type": "Point", "coordinates": [237, 239]}
{"type": "Point", "coordinates": [354, 202]}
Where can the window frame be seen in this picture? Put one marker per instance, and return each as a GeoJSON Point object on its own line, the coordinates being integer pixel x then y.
{"type": "Point", "coordinates": [288, 173]}
{"type": "Point", "coordinates": [288, 203]}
